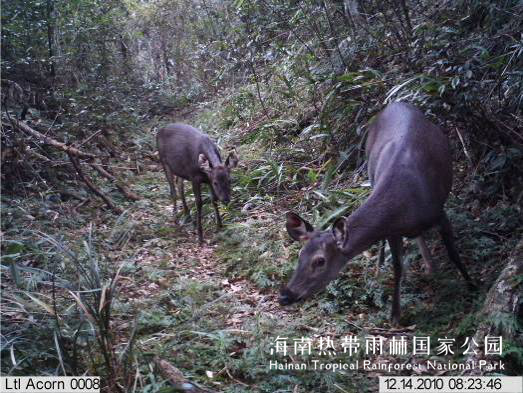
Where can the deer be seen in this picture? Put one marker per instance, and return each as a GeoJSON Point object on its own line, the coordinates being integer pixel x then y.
{"type": "Point", "coordinates": [410, 171]}
{"type": "Point", "coordinates": [186, 153]}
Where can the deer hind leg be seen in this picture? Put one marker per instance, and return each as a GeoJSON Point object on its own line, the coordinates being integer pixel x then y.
{"type": "Point", "coordinates": [430, 265]}
{"type": "Point", "coordinates": [181, 188]}
{"type": "Point", "coordinates": [396, 249]}
{"type": "Point", "coordinates": [448, 239]}
{"type": "Point", "coordinates": [170, 179]}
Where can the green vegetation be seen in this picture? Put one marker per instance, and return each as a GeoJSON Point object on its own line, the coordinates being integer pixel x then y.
{"type": "Point", "coordinates": [95, 277]}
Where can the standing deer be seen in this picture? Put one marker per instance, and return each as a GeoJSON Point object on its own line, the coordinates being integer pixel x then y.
{"type": "Point", "coordinates": [189, 154]}
{"type": "Point", "coordinates": [410, 168]}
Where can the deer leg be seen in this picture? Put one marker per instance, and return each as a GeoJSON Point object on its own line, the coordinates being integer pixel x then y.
{"type": "Point", "coordinates": [214, 200]}
{"type": "Point", "coordinates": [448, 239]}
{"type": "Point", "coordinates": [396, 246]}
{"type": "Point", "coordinates": [182, 197]}
{"type": "Point", "coordinates": [196, 187]}
{"type": "Point", "coordinates": [381, 259]}
{"type": "Point", "coordinates": [430, 265]}
{"type": "Point", "coordinates": [170, 179]}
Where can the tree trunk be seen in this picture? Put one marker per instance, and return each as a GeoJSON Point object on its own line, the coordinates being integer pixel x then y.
{"type": "Point", "coordinates": [50, 34]}
{"type": "Point", "coordinates": [502, 313]}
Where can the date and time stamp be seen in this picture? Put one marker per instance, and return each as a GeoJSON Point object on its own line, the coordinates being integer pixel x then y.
{"type": "Point", "coordinates": [387, 384]}
{"type": "Point", "coordinates": [459, 384]}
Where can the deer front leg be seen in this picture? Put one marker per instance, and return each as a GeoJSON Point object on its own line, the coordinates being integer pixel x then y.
{"type": "Point", "coordinates": [196, 186]}
{"type": "Point", "coordinates": [214, 200]}
{"type": "Point", "coordinates": [396, 246]}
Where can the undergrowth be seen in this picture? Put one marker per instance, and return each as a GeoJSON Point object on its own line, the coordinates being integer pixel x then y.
{"type": "Point", "coordinates": [212, 312]}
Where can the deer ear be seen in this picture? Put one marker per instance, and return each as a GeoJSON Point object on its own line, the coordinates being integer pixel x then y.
{"type": "Point", "coordinates": [203, 163]}
{"type": "Point", "coordinates": [297, 228]}
{"type": "Point", "coordinates": [340, 232]}
{"type": "Point", "coordinates": [232, 160]}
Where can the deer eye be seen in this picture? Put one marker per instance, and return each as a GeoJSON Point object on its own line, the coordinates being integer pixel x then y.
{"type": "Point", "coordinates": [319, 262]}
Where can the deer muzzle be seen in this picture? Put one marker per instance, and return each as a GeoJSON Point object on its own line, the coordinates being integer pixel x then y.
{"type": "Point", "coordinates": [287, 297]}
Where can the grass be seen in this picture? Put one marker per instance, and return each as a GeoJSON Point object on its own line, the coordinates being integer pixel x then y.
{"type": "Point", "coordinates": [212, 311]}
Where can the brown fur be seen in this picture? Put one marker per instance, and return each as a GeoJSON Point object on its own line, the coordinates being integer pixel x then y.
{"type": "Point", "coordinates": [410, 168]}
{"type": "Point", "coordinates": [188, 154]}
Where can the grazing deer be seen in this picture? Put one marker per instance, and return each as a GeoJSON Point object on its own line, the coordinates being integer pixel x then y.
{"type": "Point", "coordinates": [189, 154]}
{"type": "Point", "coordinates": [410, 168]}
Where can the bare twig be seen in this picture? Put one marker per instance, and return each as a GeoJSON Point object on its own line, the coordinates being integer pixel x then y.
{"type": "Point", "coordinates": [255, 76]}
{"type": "Point", "coordinates": [463, 144]}
{"type": "Point", "coordinates": [108, 201]}
{"type": "Point", "coordinates": [37, 155]}
{"type": "Point", "coordinates": [90, 137]}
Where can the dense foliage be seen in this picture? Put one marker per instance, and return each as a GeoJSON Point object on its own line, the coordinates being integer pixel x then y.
{"type": "Point", "coordinates": [291, 84]}
{"type": "Point", "coordinates": [87, 67]}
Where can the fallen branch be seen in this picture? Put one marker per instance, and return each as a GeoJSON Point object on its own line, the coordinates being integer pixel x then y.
{"type": "Point", "coordinates": [117, 182]}
{"type": "Point", "coordinates": [92, 187]}
{"type": "Point", "coordinates": [38, 155]}
{"type": "Point", "coordinates": [70, 194]}
{"type": "Point", "coordinates": [50, 141]}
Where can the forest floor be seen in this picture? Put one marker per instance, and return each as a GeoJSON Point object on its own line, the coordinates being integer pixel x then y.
{"type": "Point", "coordinates": [220, 317]}
{"type": "Point", "coordinates": [212, 312]}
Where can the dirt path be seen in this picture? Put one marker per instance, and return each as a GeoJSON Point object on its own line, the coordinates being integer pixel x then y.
{"type": "Point", "coordinates": [198, 262]}
{"type": "Point", "coordinates": [188, 288]}
{"type": "Point", "coordinates": [201, 263]}
{"type": "Point", "coordinates": [213, 310]}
